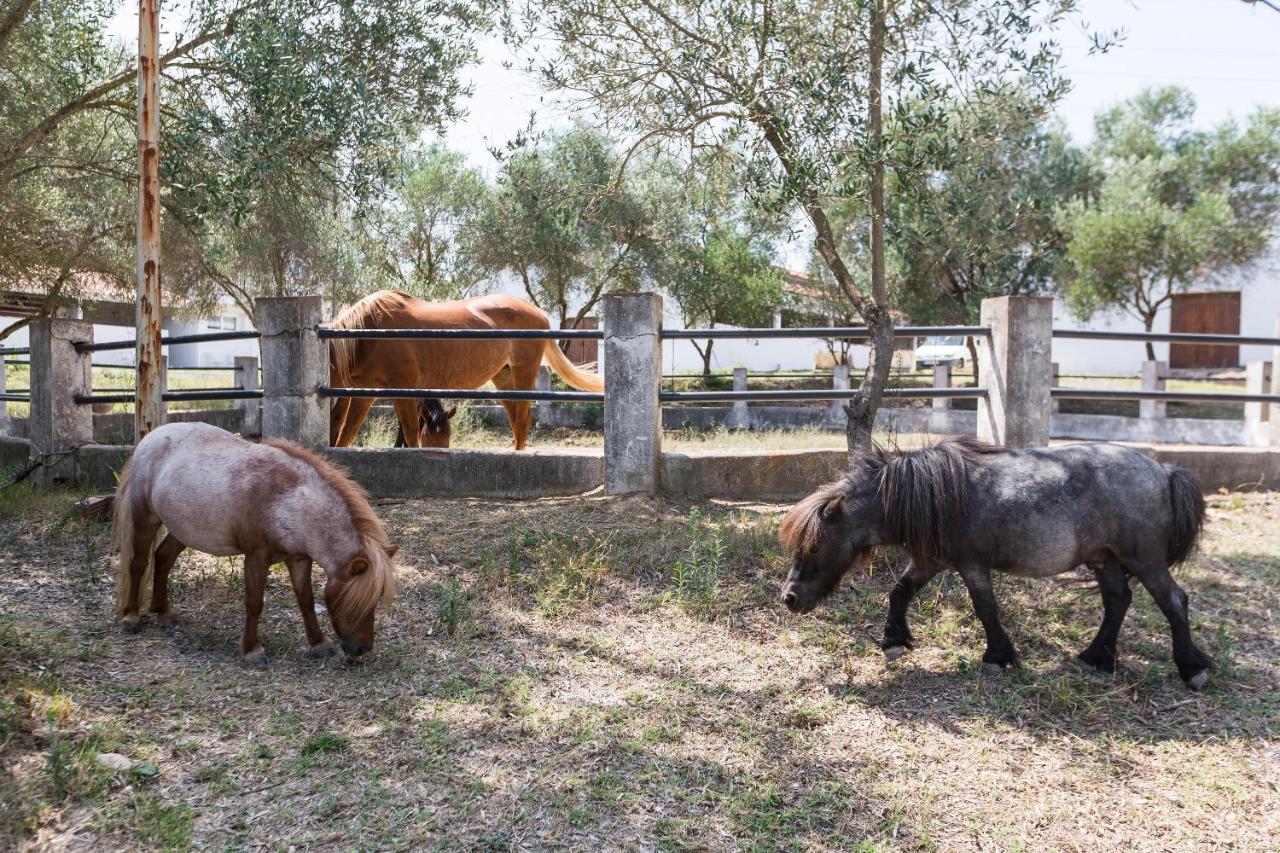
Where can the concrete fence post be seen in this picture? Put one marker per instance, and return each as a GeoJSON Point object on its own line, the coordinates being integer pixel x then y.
{"type": "Point", "coordinates": [1017, 369]}
{"type": "Point", "coordinates": [164, 386]}
{"type": "Point", "coordinates": [294, 363]}
{"type": "Point", "coordinates": [1257, 380]}
{"type": "Point", "coordinates": [6, 425]}
{"type": "Point", "coordinates": [839, 382]}
{"type": "Point", "coordinates": [1154, 376]}
{"type": "Point", "coordinates": [247, 380]}
{"type": "Point", "coordinates": [941, 379]}
{"type": "Point", "coordinates": [1054, 382]}
{"type": "Point", "coordinates": [739, 418]}
{"type": "Point", "coordinates": [58, 374]}
{"type": "Point", "coordinates": [1274, 421]}
{"type": "Point", "coordinates": [632, 373]}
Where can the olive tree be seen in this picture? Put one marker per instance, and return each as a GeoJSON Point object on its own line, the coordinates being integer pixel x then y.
{"type": "Point", "coordinates": [802, 89]}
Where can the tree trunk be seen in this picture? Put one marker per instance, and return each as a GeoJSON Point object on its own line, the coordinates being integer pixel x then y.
{"type": "Point", "coordinates": [1148, 321]}
{"type": "Point", "coordinates": [706, 357]}
{"type": "Point", "coordinates": [972, 343]}
{"type": "Point", "coordinates": [863, 407]}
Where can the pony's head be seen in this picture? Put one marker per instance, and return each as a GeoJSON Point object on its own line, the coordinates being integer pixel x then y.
{"type": "Point", "coordinates": [828, 533]}
{"type": "Point", "coordinates": [433, 423]}
{"type": "Point", "coordinates": [353, 591]}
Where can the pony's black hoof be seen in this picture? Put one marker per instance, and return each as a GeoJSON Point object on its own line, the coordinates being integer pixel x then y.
{"type": "Point", "coordinates": [989, 668]}
{"type": "Point", "coordinates": [1095, 662]}
{"type": "Point", "coordinates": [321, 651]}
{"type": "Point", "coordinates": [168, 621]}
{"type": "Point", "coordinates": [892, 653]}
{"type": "Point", "coordinates": [1199, 681]}
{"type": "Point", "coordinates": [131, 625]}
{"type": "Point", "coordinates": [256, 660]}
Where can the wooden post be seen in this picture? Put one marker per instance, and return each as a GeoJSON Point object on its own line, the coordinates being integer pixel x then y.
{"type": "Point", "coordinates": [148, 411]}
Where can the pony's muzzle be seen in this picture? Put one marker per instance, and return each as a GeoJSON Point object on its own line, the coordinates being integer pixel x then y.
{"type": "Point", "coordinates": [794, 602]}
{"type": "Point", "coordinates": [354, 647]}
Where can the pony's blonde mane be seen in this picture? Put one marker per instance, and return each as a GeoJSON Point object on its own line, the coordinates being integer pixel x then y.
{"type": "Point", "coordinates": [362, 315]}
{"type": "Point", "coordinates": [378, 583]}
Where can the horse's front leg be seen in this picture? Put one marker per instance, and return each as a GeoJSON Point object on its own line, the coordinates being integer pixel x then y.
{"type": "Point", "coordinates": [300, 575]}
{"type": "Point", "coordinates": [255, 582]}
{"type": "Point", "coordinates": [999, 653]}
{"type": "Point", "coordinates": [1113, 583]}
{"type": "Point", "coordinates": [897, 636]}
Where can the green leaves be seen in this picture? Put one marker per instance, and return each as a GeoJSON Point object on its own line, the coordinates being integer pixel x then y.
{"type": "Point", "coordinates": [1177, 207]}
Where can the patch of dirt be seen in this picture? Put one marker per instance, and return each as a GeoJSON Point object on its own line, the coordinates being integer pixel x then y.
{"type": "Point", "coordinates": [611, 673]}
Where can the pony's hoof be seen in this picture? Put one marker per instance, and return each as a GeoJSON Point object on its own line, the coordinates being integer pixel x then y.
{"type": "Point", "coordinates": [892, 653]}
{"type": "Point", "coordinates": [130, 625]}
{"type": "Point", "coordinates": [166, 620]}
{"type": "Point", "coordinates": [989, 668]}
{"type": "Point", "coordinates": [257, 659]}
{"type": "Point", "coordinates": [1199, 681]}
{"type": "Point", "coordinates": [322, 650]}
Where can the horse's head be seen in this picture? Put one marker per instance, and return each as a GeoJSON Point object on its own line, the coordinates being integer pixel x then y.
{"type": "Point", "coordinates": [433, 423]}
{"type": "Point", "coordinates": [828, 533]}
{"type": "Point", "coordinates": [353, 591]}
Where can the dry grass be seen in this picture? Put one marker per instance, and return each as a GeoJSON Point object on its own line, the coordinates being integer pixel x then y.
{"type": "Point", "coordinates": [601, 673]}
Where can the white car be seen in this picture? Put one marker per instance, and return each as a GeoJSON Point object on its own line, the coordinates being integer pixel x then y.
{"type": "Point", "coordinates": [942, 350]}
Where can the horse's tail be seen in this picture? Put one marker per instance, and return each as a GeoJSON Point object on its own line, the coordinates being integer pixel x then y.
{"type": "Point", "coordinates": [126, 500]}
{"type": "Point", "coordinates": [583, 380]}
{"type": "Point", "coordinates": [1187, 503]}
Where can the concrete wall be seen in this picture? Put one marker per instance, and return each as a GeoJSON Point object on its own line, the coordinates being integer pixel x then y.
{"type": "Point", "coordinates": [117, 427]}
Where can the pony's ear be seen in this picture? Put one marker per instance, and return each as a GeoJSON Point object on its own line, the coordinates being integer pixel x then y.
{"type": "Point", "coordinates": [391, 550]}
{"type": "Point", "coordinates": [833, 509]}
{"type": "Point", "coordinates": [357, 566]}
{"type": "Point", "coordinates": [453, 411]}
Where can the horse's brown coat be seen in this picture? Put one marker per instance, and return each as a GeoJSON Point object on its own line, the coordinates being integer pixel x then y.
{"type": "Point", "coordinates": [461, 364]}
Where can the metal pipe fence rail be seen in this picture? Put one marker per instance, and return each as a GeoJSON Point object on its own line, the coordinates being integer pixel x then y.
{"type": "Point", "coordinates": [170, 396]}
{"type": "Point", "coordinates": [134, 367]}
{"type": "Point", "coordinates": [175, 340]}
{"type": "Point", "coordinates": [825, 332]}
{"type": "Point", "coordinates": [816, 394]}
{"type": "Point", "coordinates": [461, 394]}
{"type": "Point", "coordinates": [327, 334]}
{"type": "Point", "coordinates": [1170, 337]}
{"type": "Point", "coordinates": [1166, 396]}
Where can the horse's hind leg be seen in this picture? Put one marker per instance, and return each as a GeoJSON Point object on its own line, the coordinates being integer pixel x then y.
{"type": "Point", "coordinates": [999, 651]}
{"type": "Point", "coordinates": [897, 636]}
{"type": "Point", "coordinates": [144, 540]}
{"type": "Point", "coordinates": [1113, 583]}
{"type": "Point", "coordinates": [166, 556]}
{"type": "Point", "coordinates": [518, 411]}
{"type": "Point", "coordinates": [1193, 664]}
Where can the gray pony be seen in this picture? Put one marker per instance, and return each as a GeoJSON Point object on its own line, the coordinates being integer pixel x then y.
{"type": "Point", "coordinates": [974, 508]}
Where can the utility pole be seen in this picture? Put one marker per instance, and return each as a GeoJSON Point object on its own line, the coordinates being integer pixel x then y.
{"type": "Point", "coordinates": [148, 411]}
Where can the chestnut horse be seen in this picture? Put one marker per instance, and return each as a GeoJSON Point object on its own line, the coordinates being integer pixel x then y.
{"type": "Point", "coordinates": [272, 502]}
{"type": "Point", "coordinates": [461, 364]}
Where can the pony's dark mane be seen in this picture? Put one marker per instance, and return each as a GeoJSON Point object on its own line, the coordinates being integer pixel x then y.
{"type": "Point", "coordinates": [923, 494]}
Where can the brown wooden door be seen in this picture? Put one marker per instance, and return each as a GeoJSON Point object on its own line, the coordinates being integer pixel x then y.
{"type": "Point", "coordinates": [584, 351]}
{"type": "Point", "coordinates": [1216, 313]}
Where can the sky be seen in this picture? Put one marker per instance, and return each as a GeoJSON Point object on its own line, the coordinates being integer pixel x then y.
{"type": "Point", "coordinates": [1226, 52]}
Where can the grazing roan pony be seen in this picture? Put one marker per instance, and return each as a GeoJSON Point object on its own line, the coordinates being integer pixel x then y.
{"type": "Point", "coordinates": [272, 502]}
{"type": "Point", "coordinates": [464, 364]}
{"type": "Point", "coordinates": [974, 508]}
